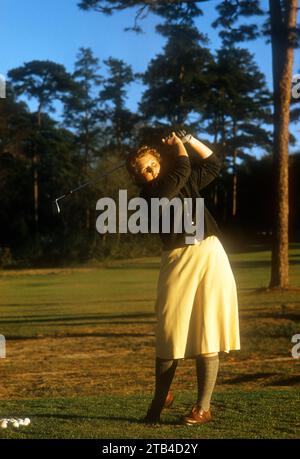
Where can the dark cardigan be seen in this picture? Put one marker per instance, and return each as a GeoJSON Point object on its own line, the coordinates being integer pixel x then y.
{"type": "Point", "coordinates": [184, 180]}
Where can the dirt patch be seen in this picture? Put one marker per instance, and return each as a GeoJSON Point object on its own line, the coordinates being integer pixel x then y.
{"type": "Point", "coordinates": [119, 359]}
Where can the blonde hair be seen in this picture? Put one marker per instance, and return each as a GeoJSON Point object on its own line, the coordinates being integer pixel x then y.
{"type": "Point", "coordinates": [133, 158]}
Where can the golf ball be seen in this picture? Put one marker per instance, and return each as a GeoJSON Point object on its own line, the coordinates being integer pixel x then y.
{"type": "Point", "coordinates": [16, 424]}
{"type": "Point", "coordinates": [26, 422]}
{"type": "Point", "coordinates": [4, 424]}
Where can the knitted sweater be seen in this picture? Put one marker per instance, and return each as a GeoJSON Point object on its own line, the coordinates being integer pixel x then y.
{"type": "Point", "coordinates": [184, 180]}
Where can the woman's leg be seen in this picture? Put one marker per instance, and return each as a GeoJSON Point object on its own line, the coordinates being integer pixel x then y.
{"type": "Point", "coordinates": [164, 374]}
{"type": "Point", "coordinates": [207, 366]}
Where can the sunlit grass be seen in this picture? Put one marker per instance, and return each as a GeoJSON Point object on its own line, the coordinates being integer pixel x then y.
{"type": "Point", "coordinates": [80, 354]}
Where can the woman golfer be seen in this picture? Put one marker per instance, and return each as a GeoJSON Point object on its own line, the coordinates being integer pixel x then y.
{"type": "Point", "coordinates": [196, 306]}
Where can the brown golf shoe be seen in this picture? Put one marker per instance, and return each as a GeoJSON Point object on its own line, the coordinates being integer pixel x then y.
{"type": "Point", "coordinates": [197, 416]}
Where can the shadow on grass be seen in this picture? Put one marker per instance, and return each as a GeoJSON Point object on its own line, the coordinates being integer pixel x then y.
{"type": "Point", "coordinates": [294, 245]}
{"type": "Point", "coordinates": [136, 266]}
{"type": "Point", "coordinates": [107, 335]}
{"type": "Point", "coordinates": [101, 316]}
{"type": "Point", "coordinates": [265, 315]}
{"type": "Point", "coordinates": [110, 418]}
{"type": "Point", "coordinates": [252, 264]}
{"type": "Point", "coordinates": [247, 378]}
{"type": "Point", "coordinates": [86, 335]}
{"type": "Point", "coordinates": [291, 381]}
{"type": "Point", "coordinates": [86, 418]}
{"type": "Point", "coordinates": [99, 302]}
{"type": "Point", "coordinates": [234, 247]}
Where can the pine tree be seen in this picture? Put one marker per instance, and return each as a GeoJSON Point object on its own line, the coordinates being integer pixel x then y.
{"type": "Point", "coordinates": [120, 120]}
{"type": "Point", "coordinates": [170, 10]}
{"type": "Point", "coordinates": [177, 80]}
{"type": "Point", "coordinates": [44, 81]}
{"type": "Point", "coordinates": [283, 32]}
{"type": "Point", "coordinates": [82, 106]}
{"type": "Point", "coordinates": [237, 106]}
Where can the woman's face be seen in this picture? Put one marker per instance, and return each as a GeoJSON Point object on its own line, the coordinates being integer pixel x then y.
{"type": "Point", "coordinates": [148, 167]}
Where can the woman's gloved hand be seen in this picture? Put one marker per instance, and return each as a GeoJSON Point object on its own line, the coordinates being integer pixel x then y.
{"type": "Point", "coordinates": [184, 136]}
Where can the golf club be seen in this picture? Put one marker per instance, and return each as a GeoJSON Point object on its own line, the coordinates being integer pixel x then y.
{"type": "Point", "coordinates": [90, 182]}
{"type": "Point", "coordinates": [182, 134]}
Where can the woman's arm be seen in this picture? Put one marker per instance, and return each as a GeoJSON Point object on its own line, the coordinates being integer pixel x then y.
{"type": "Point", "coordinates": [206, 166]}
{"type": "Point", "coordinates": [170, 184]}
{"type": "Point", "coordinates": [202, 150]}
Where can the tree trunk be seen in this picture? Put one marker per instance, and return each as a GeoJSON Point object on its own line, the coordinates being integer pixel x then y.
{"type": "Point", "coordinates": [215, 142]}
{"type": "Point", "coordinates": [35, 165]}
{"type": "Point", "coordinates": [234, 185]}
{"type": "Point", "coordinates": [35, 188]}
{"type": "Point", "coordinates": [86, 165]}
{"type": "Point", "coordinates": [234, 171]}
{"type": "Point", "coordinates": [283, 25]}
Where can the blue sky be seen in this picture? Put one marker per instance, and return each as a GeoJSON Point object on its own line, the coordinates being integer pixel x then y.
{"type": "Point", "coordinates": [56, 29]}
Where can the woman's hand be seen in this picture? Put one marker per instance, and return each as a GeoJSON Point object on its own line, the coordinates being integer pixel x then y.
{"type": "Point", "coordinates": [172, 139]}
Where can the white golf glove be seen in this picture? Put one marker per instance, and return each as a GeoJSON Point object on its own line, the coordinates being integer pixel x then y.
{"type": "Point", "coordinates": [184, 136]}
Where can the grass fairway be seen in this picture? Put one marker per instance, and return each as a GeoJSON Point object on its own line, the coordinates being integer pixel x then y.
{"type": "Point", "coordinates": [80, 353]}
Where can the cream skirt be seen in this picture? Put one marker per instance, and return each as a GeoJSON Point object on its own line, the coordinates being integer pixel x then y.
{"type": "Point", "coordinates": [196, 306]}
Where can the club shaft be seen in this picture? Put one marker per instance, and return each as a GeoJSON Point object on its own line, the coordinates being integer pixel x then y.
{"type": "Point", "coordinates": [90, 182]}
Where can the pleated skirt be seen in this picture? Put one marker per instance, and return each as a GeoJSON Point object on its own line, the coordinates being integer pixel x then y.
{"type": "Point", "coordinates": [196, 306]}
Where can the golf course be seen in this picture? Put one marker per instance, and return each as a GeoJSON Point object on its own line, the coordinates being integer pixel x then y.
{"type": "Point", "coordinates": [80, 354]}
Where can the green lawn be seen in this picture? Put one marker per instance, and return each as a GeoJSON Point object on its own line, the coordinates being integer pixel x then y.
{"type": "Point", "coordinates": [239, 414]}
{"type": "Point", "coordinates": [80, 351]}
